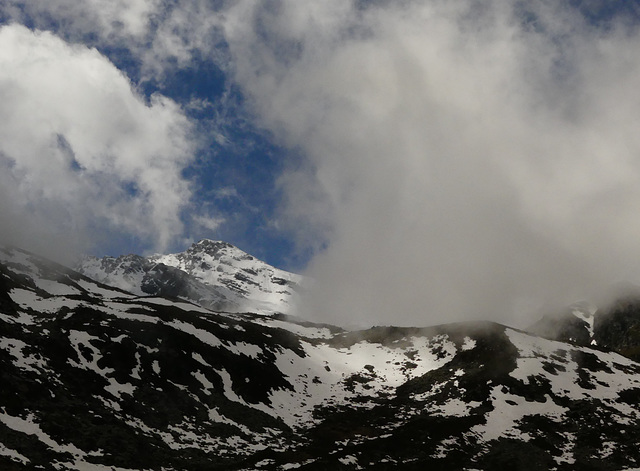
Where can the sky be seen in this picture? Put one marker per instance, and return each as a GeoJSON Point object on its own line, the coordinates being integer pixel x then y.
{"type": "Point", "coordinates": [421, 161]}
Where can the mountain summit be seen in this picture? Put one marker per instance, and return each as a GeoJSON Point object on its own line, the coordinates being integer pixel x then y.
{"type": "Point", "coordinates": [213, 274]}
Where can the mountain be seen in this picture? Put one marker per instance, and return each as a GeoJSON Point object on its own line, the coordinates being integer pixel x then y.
{"type": "Point", "coordinates": [614, 327]}
{"type": "Point", "coordinates": [97, 378]}
{"type": "Point", "coordinates": [574, 325]}
{"type": "Point", "coordinates": [213, 274]}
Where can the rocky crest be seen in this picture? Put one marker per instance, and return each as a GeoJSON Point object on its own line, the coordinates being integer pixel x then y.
{"type": "Point", "coordinates": [213, 274]}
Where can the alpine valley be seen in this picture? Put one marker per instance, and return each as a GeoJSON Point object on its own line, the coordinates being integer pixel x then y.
{"type": "Point", "coordinates": [195, 361]}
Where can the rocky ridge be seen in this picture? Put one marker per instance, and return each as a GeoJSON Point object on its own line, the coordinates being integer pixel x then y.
{"type": "Point", "coordinates": [213, 274]}
{"type": "Point", "coordinates": [98, 378]}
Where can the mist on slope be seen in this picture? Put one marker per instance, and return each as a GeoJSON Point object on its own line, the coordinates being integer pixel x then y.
{"type": "Point", "coordinates": [461, 160]}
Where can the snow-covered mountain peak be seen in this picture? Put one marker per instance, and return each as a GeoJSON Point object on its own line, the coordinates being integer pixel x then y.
{"type": "Point", "coordinates": [216, 249]}
{"type": "Point", "coordinates": [206, 255]}
{"type": "Point", "coordinates": [214, 274]}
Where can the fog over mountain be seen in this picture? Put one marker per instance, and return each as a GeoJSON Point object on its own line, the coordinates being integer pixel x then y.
{"type": "Point", "coordinates": [475, 159]}
{"type": "Point", "coordinates": [432, 160]}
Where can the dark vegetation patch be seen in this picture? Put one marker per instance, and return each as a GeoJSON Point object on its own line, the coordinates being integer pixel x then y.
{"type": "Point", "coordinates": [553, 368]}
{"type": "Point", "coordinates": [507, 453]}
{"type": "Point", "coordinates": [630, 396]}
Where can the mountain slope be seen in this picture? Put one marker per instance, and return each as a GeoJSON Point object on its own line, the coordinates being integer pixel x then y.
{"type": "Point", "coordinates": [574, 325]}
{"type": "Point", "coordinates": [95, 378]}
{"type": "Point", "coordinates": [615, 327]}
{"type": "Point", "coordinates": [213, 274]}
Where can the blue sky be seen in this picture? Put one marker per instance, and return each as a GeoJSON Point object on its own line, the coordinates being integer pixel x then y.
{"type": "Point", "coordinates": [235, 166]}
{"type": "Point", "coordinates": [419, 160]}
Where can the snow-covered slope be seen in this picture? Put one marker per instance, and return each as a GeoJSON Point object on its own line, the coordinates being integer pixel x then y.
{"type": "Point", "coordinates": [95, 378]}
{"type": "Point", "coordinates": [213, 274]}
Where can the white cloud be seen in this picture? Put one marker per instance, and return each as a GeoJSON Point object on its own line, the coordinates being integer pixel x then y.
{"type": "Point", "coordinates": [226, 192]}
{"type": "Point", "coordinates": [160, 35]}
{"type": "Point", "coordinates": [80, 150]}
{"type": "Point", "coordinates": [110, 19]}
{"type": "Point", "coordinates": [470, 161]}
{"type": "Point", "coordinates": [209, 223]}
{"type": "Point", "coordinates": [460, 159]}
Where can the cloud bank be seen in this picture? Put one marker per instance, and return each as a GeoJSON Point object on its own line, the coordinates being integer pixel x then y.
{"type": "Point", "coordinates": [457, 160]}
{"type": "Point", "coordinates": [82, 155]}
{"type": "Point", "coordinates": [462, 159]}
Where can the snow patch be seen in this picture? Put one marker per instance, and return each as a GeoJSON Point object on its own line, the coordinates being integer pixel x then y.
{"type": "Point", "coordinates": [503, 420]}
{"type": "Point", "coordinates": [25, 361]}
{"type": "Point", "coordinates": [30, 300]}
{"type": "Point", "coordinates": [469, 344]}
{"type": "Point", "coordinates": [28, 426]}
{"type": "Point", "coordinates": [202, 335]}
{"type": "Point", "coordinates": [13, 454]}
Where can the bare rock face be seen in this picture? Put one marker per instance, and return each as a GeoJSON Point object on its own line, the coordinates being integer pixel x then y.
{"type": "Point", "coordinates": [618, 328]}
{"type": "Point", "coordinates": [95, 377]}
